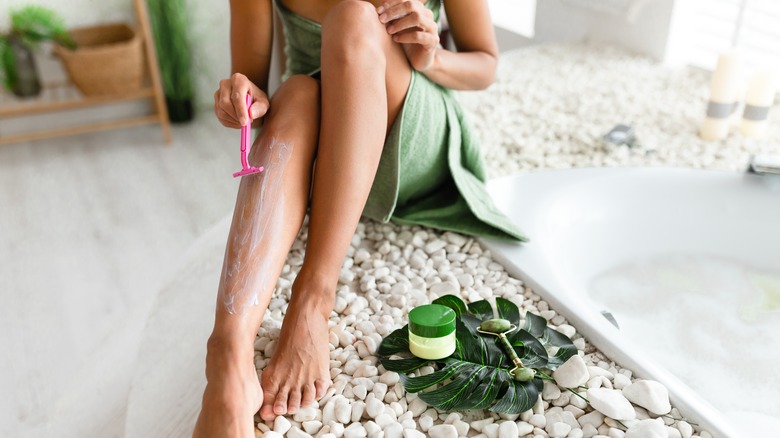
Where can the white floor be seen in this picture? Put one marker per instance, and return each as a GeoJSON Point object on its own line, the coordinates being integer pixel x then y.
{"type": "Point", "coordinates": [89, 227]}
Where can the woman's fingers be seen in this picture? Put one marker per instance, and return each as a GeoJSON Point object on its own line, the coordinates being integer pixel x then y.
{"type": "Point", "coordinates": [395, 9]}
{"type": "Point", "coordinates": [230, 101]}
{"type": "Point", "coordinates": [415, 20]}
{"type": "Point", "coordinates": [409, 22]}
{"type": "Point", "coordinates": [425, 39]}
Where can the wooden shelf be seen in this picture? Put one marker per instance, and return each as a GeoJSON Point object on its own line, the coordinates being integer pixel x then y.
{"type": "Point", "coordinates": [65, 96]}
{"type": "Point", "coordinates": [62, 97]}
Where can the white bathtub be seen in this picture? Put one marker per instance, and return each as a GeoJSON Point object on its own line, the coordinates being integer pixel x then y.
{"type": "Point", "coordinates": [585, 222]}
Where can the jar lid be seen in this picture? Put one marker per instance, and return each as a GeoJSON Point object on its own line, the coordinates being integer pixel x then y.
{"type": "Point", "coordinates": [432, 320]}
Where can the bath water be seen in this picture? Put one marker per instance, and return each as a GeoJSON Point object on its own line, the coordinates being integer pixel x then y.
{"type": "Point", "coordinates": [714, 323]}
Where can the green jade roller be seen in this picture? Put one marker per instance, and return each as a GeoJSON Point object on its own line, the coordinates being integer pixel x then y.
{"type": "Point", "coordinates": [500, 327]}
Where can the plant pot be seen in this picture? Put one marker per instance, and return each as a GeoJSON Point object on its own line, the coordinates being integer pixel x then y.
{"type": "Point", "coordinates": [22, 71]}
{"type": "Point", "coordinates": [179, 110]}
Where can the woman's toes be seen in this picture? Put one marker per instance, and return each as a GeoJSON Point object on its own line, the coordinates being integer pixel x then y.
{"type": "Point", "coordinates": [294, 401]}
{"type": "Point", "coordinates": [267, 409]}
{"type": "Point", "coordinates": [280, 404]}
{"type": "Point", "coordinates": [321, 387]}
{"type": "Point", "coordinates": [308, 394]}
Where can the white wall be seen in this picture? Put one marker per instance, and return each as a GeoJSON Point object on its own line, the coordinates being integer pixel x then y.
{"type": "Point", "coordinates": [208, 33]}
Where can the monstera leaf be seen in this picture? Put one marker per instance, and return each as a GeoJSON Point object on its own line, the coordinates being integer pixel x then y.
{"type": "Point", "coordinates": [476, 375]}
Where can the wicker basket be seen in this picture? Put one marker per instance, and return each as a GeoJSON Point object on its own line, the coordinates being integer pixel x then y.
{"type": "Point", "coordinates": [108, 59]}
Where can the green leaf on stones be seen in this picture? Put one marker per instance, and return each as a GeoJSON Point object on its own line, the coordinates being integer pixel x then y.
{"type": "Point", "coordinates": [476, 375]}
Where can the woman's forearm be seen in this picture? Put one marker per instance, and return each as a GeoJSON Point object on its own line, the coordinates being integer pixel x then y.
{"type": "Point", "coordinates": [462, 70]}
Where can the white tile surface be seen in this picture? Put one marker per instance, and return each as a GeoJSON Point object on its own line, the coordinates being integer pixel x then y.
{"type": "Point", "coordinates": [89, 226]}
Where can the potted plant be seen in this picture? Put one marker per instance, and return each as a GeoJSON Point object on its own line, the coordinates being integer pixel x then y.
{"type": "Point", "coordinates": [169, 25]}
{"type": "Point", "coordinates": [30, 26]}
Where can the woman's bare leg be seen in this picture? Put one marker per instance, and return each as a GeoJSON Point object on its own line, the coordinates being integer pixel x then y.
{"type": "Point", "coordinates": [269, 211]}
{"type": "Point", "coordinates": [365, 77]}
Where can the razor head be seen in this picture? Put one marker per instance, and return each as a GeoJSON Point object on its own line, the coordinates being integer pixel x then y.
{"type": "Point", "coordinates": [248, 171]}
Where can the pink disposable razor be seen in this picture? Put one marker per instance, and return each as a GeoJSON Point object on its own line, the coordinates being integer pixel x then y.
{"type": "Point", "coordinates": [246, 145]}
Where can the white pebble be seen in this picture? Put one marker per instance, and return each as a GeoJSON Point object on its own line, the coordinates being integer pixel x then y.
{"type": "Point", "coordinates": [281, 424]}
{"type": "Point", "coordinates": [312, 427]}
{"type": "Point", "coordinates": [383, 420]}
{"type": "Point", "coordinates": [337, 429]}
{"type": "Point", "coordinates": [686, 430]}
{"type": "Point", "coordinates": [524, 428]}
{"type": "Point", "coordinates": [380, 389]}
{"type": "Point", "coordinates": [507, 429]}
{"type": "Point", "coordinates": [305, 414]}
{"type": "Point", "coordinates": [538, 420]}
{"type": "Point", "coordinates": [343, 410]}
{"type": "Point", "coordinates": [462, 427]}
{"type": "Point", "coordinates": [417, 407]}
{"type": "Point", "coordinates": [611, 403]}
{"type": "Point", "coordinates": [588, 431]}
{"type": "Point", "coordinates": [594, 418]}
{"type": "Point", "coordinates": [355, 430]}
{"type": "Point", "coordinates": [328, 411]}
{"type": "Point", "coordinates": [297, 433]}
{"type": "Point", "coordinates": [649, 394]}
{"type": "Point", "coordinates": [360, 391]}
{"type": "Point", "coordinates": [434, 246]}
{"type": "Point", "coordinates": [366, 370]}
{"type": "Point", "coordinates": [567, 330]}
{"type": "Point", "coordinates": [572, 373]}
{"type": "Point", "coordinates": [647, 429]}
{"type": "Point", "coordinates": [374, 407]}
{"type": "Point", "coordinates": [558, 430]}
{"type": "Point", "coordinates": [491, 430]}
{"type": "Point", "coordinates": [673, 433]}
{"type": "Point", "coordinates": [358, 409]}
{"type": "Point", "coordinates": [389, 378]}
{"type": "Point", "coordinates": [393, 430]}
{"type": "Point", "coordinates": [550, 391]}
{"type": "Point", "coordinates": [620, 381]}
{"type": "Point", "coordinates": [479, 424]}
{"type": "Point", "coordinates": [616, 433]}
{"type": "Point", "coordinates": [443, 431]}
{"type": "Point", "coordinates": [412, 433]}
{"type": "Point", "coordinates": [425, 423]}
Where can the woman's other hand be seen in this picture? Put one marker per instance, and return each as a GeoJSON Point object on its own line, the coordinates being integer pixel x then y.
{"type": "Point", "coordinates": [230, 101]}
{"type": "Point", "coordinates": [411, 24]}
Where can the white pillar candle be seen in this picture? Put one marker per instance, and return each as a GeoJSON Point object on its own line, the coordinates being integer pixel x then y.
{"type": "Point", "coordinates": [760, 97]}
{"type": "Point", "coordinates": [724, 91]}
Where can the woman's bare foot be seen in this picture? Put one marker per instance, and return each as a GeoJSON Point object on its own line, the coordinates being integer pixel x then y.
{"type": "Point", "coordinates": [299, 373]}
{"type": "Point", "coordinates": [233, 393]}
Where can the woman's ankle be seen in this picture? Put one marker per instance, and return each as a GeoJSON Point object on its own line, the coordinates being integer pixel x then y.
{"type": "Point", "coordinates": [232, 346]}
{"type": "Point", "coordinates": [314, 290]}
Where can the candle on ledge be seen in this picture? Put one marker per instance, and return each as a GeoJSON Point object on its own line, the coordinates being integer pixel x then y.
{"type": "Point", "coordinates": [724, 91]}
{"type": "Point", "coordinates": [760, 97]}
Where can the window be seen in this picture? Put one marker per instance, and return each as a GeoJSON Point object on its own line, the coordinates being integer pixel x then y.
{"type": "Point", "coordinates": [710, 27]}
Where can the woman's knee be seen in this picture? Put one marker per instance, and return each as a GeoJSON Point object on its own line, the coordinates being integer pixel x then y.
{"type": "Point", "coordinates": [294, 111]}
{"type": "Point", "coordinates": [353, 25]}
{"type": "Point", "coordinates": [299, 91]}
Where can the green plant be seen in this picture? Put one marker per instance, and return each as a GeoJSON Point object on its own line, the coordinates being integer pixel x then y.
{"type": "Point", "coordinates": [477, 375]}
{"type": "Point", "coordinates": [169, 24]}
{"type": "Point", "coordinates": [30, 26]}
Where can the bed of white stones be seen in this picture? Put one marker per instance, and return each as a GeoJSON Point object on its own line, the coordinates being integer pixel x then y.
{"type": "Point", "coordinates": [549, 108]}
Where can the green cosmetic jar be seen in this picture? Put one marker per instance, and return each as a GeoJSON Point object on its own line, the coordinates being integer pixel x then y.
{"type": "Point", "coordinates": [432, 331]}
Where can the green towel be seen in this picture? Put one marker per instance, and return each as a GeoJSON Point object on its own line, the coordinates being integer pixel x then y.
{"type": "Point", "coordinates": [431, 172]}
